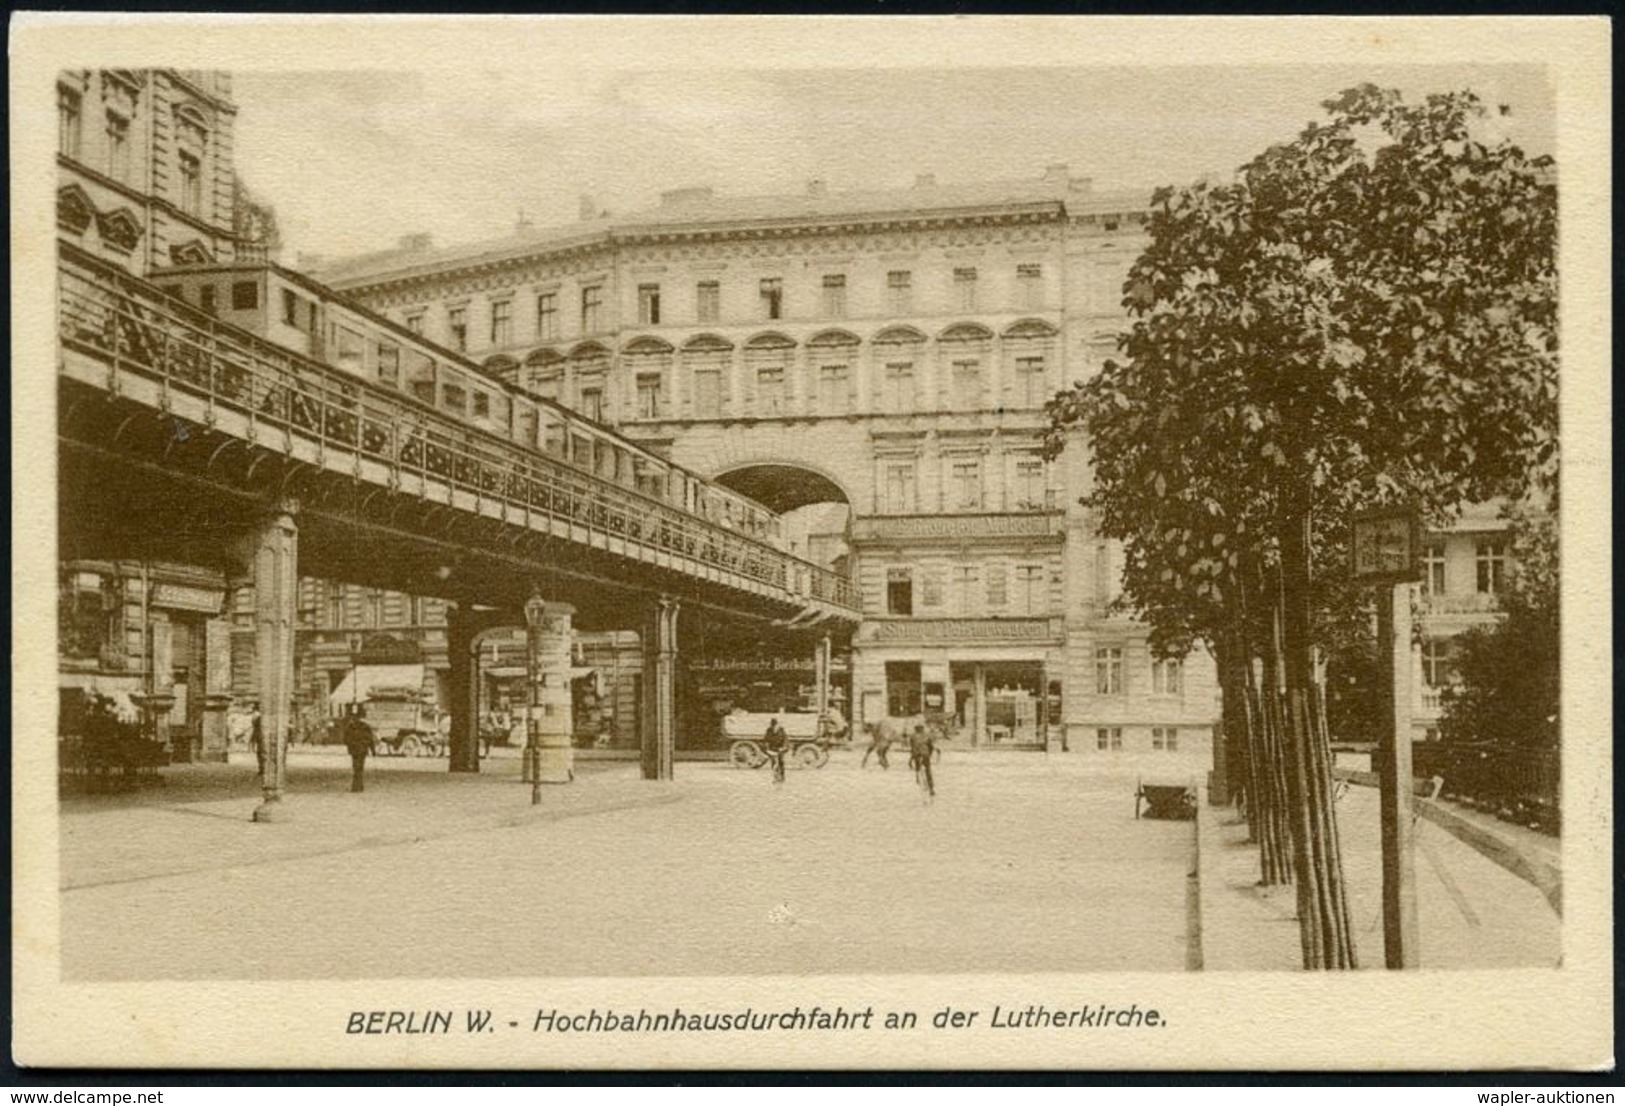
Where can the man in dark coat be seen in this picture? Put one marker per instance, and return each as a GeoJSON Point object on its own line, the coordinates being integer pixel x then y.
{"type": "Point", "coordinates": [358, 740]}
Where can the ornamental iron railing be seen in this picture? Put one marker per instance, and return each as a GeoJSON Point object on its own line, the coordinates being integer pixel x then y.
{"type": "Point", "coordinates": [132, 327]}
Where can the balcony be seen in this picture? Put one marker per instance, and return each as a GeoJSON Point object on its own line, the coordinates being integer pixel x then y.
{"type": "Point", "coordinates": [1040, 524]}
{"type": "Point", "coordinates": [1471, 603]}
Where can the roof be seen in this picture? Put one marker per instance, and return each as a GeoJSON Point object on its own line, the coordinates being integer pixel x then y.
{"type": "Point", "coordinates": [693, 210]}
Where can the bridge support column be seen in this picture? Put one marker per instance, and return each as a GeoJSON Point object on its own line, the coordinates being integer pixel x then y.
{"type": "Point", "coordinates": [659, 720]}
{"type": "Point", "coordinates": [463, 686]}
{"type": "Point", "coordinates": [276, 595]}
{"type": "Point", "coordinates": [821, 659]}
{"type": "Point", "coordinates": [550, 716]}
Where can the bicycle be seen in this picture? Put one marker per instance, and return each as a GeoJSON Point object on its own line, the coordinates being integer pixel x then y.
{"type": "Point", "coordinates": [920, 761]}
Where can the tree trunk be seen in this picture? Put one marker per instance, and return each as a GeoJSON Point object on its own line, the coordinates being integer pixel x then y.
{"type": "Point", "coordinates": [1327, 942]}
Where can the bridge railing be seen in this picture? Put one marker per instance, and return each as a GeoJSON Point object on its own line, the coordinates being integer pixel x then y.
{"type": "Point", "coordinates": [127, 323]}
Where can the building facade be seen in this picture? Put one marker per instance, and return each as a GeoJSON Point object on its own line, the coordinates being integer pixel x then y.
{"type": "Point", "coordinates": [890, 353]}
{"type": "Point", "coordinates": [145, 179]}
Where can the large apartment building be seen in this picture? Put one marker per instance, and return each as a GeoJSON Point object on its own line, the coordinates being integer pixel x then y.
{"type": "Point", "coordinates": [876, 363]}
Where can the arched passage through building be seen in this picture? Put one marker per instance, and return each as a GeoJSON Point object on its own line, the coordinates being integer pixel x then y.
{"type": "Point", "coordinates": [738, 678]}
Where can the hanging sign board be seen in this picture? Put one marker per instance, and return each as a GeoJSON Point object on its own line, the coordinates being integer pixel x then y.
{"type": "Point", "coordinates": [1387, 545]}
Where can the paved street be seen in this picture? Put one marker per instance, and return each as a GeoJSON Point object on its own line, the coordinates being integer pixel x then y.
{"type": "Point", "coordinates": [1023, 864]}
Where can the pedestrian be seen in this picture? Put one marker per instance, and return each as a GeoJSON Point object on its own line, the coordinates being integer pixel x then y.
{"type": "Point", "coordinates": [358, 740]}
{"type": "Point", "coordinates": [881, 736]}
{"type": "Point", "coordinates": [256, 730]}
{"type": "Point", "coordinates": [777, 743]}
{"type": "Point", "coordinates": [922, 749]}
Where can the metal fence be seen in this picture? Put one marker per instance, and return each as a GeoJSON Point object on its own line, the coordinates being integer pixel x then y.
{"type": "Point", "coordinates": [109, 315]}
{"type": "Point", "coordinates": [1519, 784]}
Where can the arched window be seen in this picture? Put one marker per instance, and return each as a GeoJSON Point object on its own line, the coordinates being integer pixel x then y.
{"type": "Point", "coordinates": [898, 368]}
{"type": "Point", "coordinates": [648, 364]}
{"type": "Point", "coordinates": [963, 351]}
{"type": "Point", "coordinates": [768, 359]}
{"type": "Point", "coordinates": [589, 366]}
{"type": "Point", "coordinates": [706, 361]}
{"type": "Point", "coordinates": [544, 374]}
{"type": "Point", "coordinates": [831, 366]}
{"type": "Point", "coordinates": [1029, 356]}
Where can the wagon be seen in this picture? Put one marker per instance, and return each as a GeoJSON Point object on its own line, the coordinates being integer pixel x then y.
{"type": "Point", "coordinates": [1174, 801]}
{"type": "Point", "coordinates": [809, 740]}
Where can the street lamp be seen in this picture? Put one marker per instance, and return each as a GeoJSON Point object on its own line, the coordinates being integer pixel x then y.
{"type": "Point", "coordinates": [534, 609]}
{"type": "Point", "coordinates": [354, 641]}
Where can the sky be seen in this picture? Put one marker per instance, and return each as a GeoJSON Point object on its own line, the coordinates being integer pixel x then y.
{"type": "Point", "coordinates": [353, 159]}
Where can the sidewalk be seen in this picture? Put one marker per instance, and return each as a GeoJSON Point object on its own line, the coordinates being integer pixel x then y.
{"type": "Point", "coordinates": [156, 830]}
{"type": "Point", "coordinates": [1471, 911]}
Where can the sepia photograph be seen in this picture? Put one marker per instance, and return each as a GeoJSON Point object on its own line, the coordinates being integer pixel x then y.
{"type": "Point", "coordinates": [497, 499]}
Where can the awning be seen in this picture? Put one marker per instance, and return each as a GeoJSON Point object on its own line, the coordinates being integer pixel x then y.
{"type": "Point", "coordinates": [361, 681]}
{"type": "Point", "coordinates": [518, 672]}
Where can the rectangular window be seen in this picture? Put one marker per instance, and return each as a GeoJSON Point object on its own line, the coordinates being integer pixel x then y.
{"type": "Point", "coordinates": [648, 395]}
{"type": "Point", "coordinates": [898, 386]}
{"type": "Point", "coordinates": [1165, 738]}
{"type": "Point", "coordinates": [118, 146]}
{"type": "Point", "coordinates": [454, 398]}
{"type": "Point", "coordinates": [834, 390]}
{"type": "Point", "coordinates": [902, 688]}
{"type": "Point", "coordinates": [1437, 662]}
{"type": "Point", "coordinates": [1433, 568]}
{"type": "Point", "coordinates": [899, 591]}
{"type": "Point", "coordinates": [1030, 381]}
{"type": "Point", "coordinates": [965, 577]}
{"type": "Point", "coordinates": [245, 295]}
{"type": "Point", "coordinates": [835, 295]}
{"type": "Point", "coordinates": [592, 403]}
{"type": "Point", "coordinates": [482, 405]}
{"type": "Point", "coordinates": [707, 393]}
{"type": "Point", "coordinates": [965, 289]}
{"type": "Point", "coordinates": [900, 291]}
{"type": "Point", "coordinates": [206, 299]}
{"type": "Point", "coordinates": [69, 122]}
{"type": "Point", "coordinates": [1030, 286]}
{"type": "Point", "coordinates": [898, 488]}
{"type": "Point", "coordinates": [707, 301]}
{"type": "Point", "coordinates": [419, 376]}
{"type": "Point", "coordinates": [592, 300]}
{"type": "Point", "coordinates": [1109, 670]}
{"type": "Point", "coordinates": [457, 328]}
{"type": "Point", "coordinates": [547, 316]}
{"type": "Point", "coordinates": [389, 363]}
{"type": "Point", "coordinates": [290, 308]}
{"type": "Point", "coordinates": [1030, 590]}
{"type": "Point", "coordinates": [1108, 738]}
{"type": "Point", "coordinates": [770, 389]}
{"type": "Point", "coordinates": [965, 485]}
{"type": "Point", "coordinates": [967, 383]}
{"type": "Point", "coordinates": [771, 291]}
{"type": "Point", "coordinates": [414, 322]}
{"type": "Point", "coordinates": [501, 323]}
{"type": "Point", "coordinates": [1491, 567]}
{"type": "Point", "coordinates": [191, 183]}
{"type": "Point", "coordinates": [649, 305]}
{"type": "Point", "coordinates": [1027, 490]}
{"type": "Point", "coordinates": [1167, 677]}
{"type": "Point", "coordinates": [931, 588]}
{"type": "Point", "coordinates": [997, 590]}
{"type": "Point", "coordinates": [349, 350]}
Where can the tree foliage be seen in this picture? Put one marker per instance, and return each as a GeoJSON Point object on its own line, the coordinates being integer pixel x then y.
{"type": "Point", "coordinates": [1366, 315]}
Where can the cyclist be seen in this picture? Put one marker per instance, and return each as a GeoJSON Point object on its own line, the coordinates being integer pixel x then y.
{"type": "Point", "coordinates": [921, 748]}
{"type": "Point", "coordinates": [777, 743]}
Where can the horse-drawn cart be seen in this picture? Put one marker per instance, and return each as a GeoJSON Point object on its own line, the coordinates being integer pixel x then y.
{"type": "Point", "coordinates": [809, 737]}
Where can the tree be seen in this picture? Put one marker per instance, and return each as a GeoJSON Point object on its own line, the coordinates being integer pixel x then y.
{"type": "Point", "coordinates": [253, 221]}
{"type": "Point", "coordinates": [1367, 315]}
